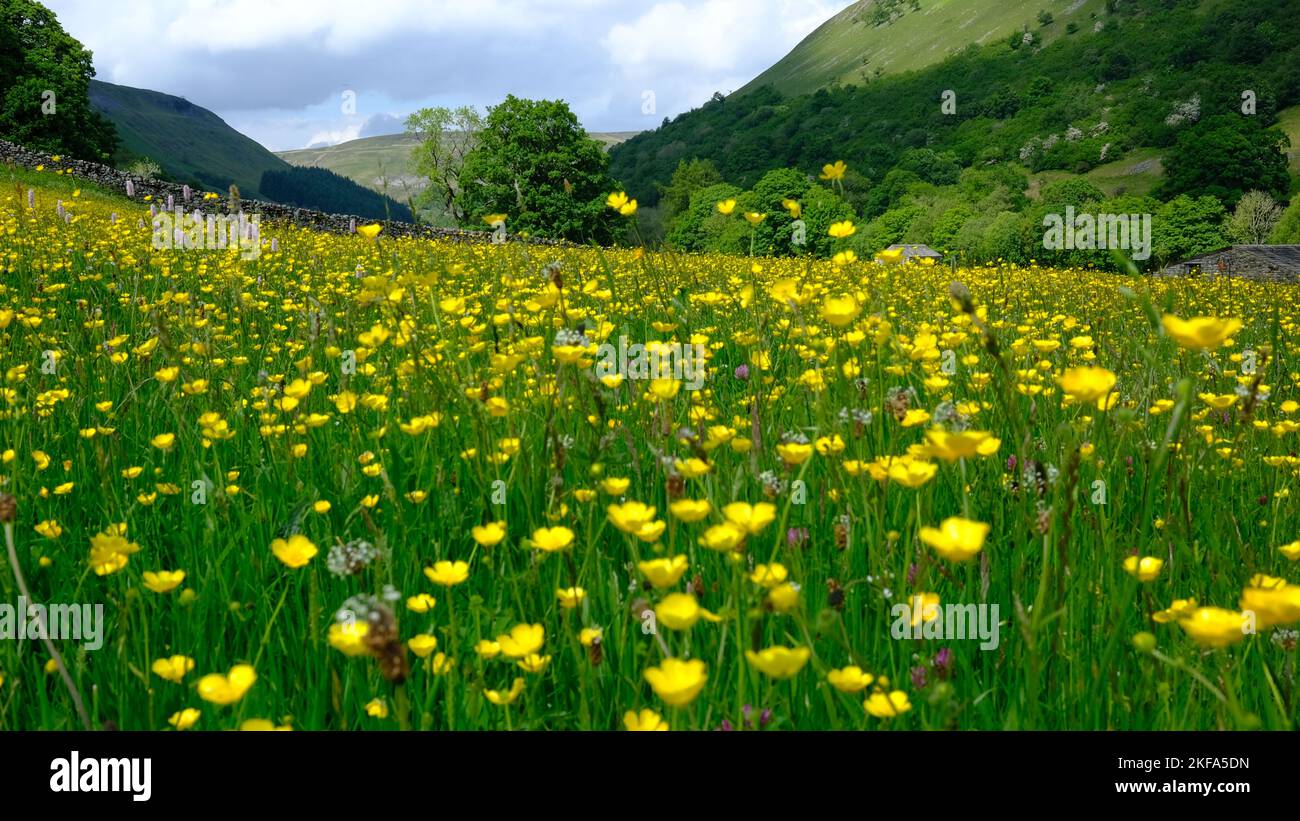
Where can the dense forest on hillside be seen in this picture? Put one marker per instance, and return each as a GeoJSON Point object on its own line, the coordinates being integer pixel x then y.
{"type": "Point", "coordinates": [323, 190]}
{"type": "Point", "coordinates": [1153, 68]}
{"type": "Point", "coordinates": [946, 155]}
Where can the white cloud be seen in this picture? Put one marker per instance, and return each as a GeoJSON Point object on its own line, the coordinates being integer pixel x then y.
{"type": "Point", "coordinates": [277, 67]}
{"type": "Point", "coordinates": [713, 35]}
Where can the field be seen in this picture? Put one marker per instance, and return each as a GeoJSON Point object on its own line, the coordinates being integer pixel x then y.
{"type": "Point", "coordinates": [404, 493]}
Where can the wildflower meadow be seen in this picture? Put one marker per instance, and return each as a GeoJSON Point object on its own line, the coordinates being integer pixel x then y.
{"type": "Point", "coordinates": [357, 481]}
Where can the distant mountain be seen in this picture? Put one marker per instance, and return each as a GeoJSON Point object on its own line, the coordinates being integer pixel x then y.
{"type": "Point", "coordinates": [190, 143]}
{"type": "Point", "coordinates": [383, 163]}
{"type": "Point", "coordinates": [873, 38]}
{"type": "Point", "coordinates": [193, 145]}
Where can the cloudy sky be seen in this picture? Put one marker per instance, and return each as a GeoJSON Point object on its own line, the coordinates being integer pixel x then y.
{"type": "Point", "coordinates": [280, 70]}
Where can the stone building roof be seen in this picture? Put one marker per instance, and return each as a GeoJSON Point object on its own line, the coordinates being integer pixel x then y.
{"type": "Point", "coordinates": [1277, 262]}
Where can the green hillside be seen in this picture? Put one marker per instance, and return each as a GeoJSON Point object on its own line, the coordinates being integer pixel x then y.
{"type": "Point", "coordinates": [1289, 121]}
{"type": "Point", "coordinates": [190, 143]}
{"type": "Point", "coordinates": [871, 38]}
{"type": "Point", "coordinates": [379, 163]}
{"type": "Point", "coordinates": [383, 164]}
{"type": "Point", "coordinates": [1098, 103]}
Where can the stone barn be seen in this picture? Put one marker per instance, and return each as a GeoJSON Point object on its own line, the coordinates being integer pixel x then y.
{"type": "Point", "coordinates": [915, 252]}
{"type": "Point", "coordinates": [1267, 263]}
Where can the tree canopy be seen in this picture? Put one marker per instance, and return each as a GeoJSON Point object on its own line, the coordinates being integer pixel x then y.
{"type": "Point", "coordinates": [534, 162]}
{"type": "Point", "coordinates": [44, 83]}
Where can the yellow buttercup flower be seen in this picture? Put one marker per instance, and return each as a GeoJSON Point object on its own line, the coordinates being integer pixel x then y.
{"type": "Point", "coordinates": [552, 539]}
{"type": "Point", "coordinates": [254, 725]}
{"type": "Point", "coordinates": [570, 597]}
{"type": "Point", "coordinates": [370, 231]}
{"type": "Point", "coordinates": [163, 581]}
{"type": "Point", "coordinates": [951, 446]}
{"type": "Point", "coordinates": [490, 534]}
{"type": "Point", "coordinates": [1203, 333]}
{"type": "Point", "coordinates": [842, 230]}
{"type": "Point", "coordinates": [349, 638]}
{"type": "Point", "coordinates": [420, 603]}
{"type": "Point", "coordinates": [227, 689]}
{"type": "Point", "coordinates": [769, 575]}
{"type": "Point", "coordinates": [422, 645]}
{"type": "Point", "coordinates": [630, 517]}
{"type": "Point", "coordinates": [1180, 608]}
{"type": "Point", "coordinates": [173, 668]}
{"type": "Point", "coordinates": [690, 510]}
{"type": "Point", "coordinates": [533, 663]}
{"type": "Point", "coordinates": [851, 679]}
{"type": "Point", "coordinates": [522, 640]}
{"type": "Point", "coordinates": [677, 682]}
{"type": "Point", "coordinates": [1215, 626]}
{"type": "Point", "coordinates": [662, 573]}
{"type": "Point", "coordinates": [840, 311]}
{"type": "Point", "coordinates": [644, 721]}
{"type": "Point", "coordinates": [882, 705]}
{"type": "Point", "coordinates": [447, 573]}
{"type": "Point", "coordinates": [620, 203]}
{"type": "Point", "coordinates": [294, 552]}
{"type": "Point", "coordinates": [779, 662]}
{"type": "Point", "coordinates": [504, 698]}
{"type": "Point", "coordinates": [680, 611]}
{"type": "Point", "coordinates": [1087, 384]}
{"type": "Point", "coordinates": [750, 518]}
{"type": "Point", "coordinates": [185, 719]}
{"type": "Point", "coordinates": [1145, 568]}
{"type": "Point", "coordinates": [912, 474]}
{"type": "Point", "coordinates": [956, 539]}
{"type": "Point", "coordinates": [834, 171]}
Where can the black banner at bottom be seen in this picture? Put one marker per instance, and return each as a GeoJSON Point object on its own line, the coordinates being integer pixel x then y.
{"type": "Point", "coordinates": [173, 769]}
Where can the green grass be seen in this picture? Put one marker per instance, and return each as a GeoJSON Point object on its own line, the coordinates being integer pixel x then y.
{"type": "Point", "coordinates": [1289, 122]}
{"type": "Point", "coordinates": [1209, 492]}
{"type": "Point", "coordinates": [1138, 173]}
{"type": "Point", "coordinates": [848, 48]}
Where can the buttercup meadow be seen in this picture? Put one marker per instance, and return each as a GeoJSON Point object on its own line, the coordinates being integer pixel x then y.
{"type": "Point", "coordinates": [358, 481]}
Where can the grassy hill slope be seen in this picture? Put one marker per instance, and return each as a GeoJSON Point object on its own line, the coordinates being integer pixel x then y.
{"type": "Point", "coordinates": [1107, 104]}
{"type": "Point", "coordinates": [852, 47]}
{"type": "Point", "coordinates": [190, 143]}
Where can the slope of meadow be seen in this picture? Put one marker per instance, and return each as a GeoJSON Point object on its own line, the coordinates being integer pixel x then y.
{"type": "Point", "coordinates": [365, 483]}
{"type": "Point", "coordinates": [852, 48]}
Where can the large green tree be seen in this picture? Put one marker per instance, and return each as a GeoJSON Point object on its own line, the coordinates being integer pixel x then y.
{"type": "Point", "coordinates": [44, 80]}
{"type": "Point", "coordinates": [690, 176]}
{"type": "Point", "coordinates": [1186, 227]}
{"type": "Point", "coordinates": [534, 162]}
{"type": "Point", "coordinates": [1225, 157]}
{"type": "Point", "coordinates": [446, 137]}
